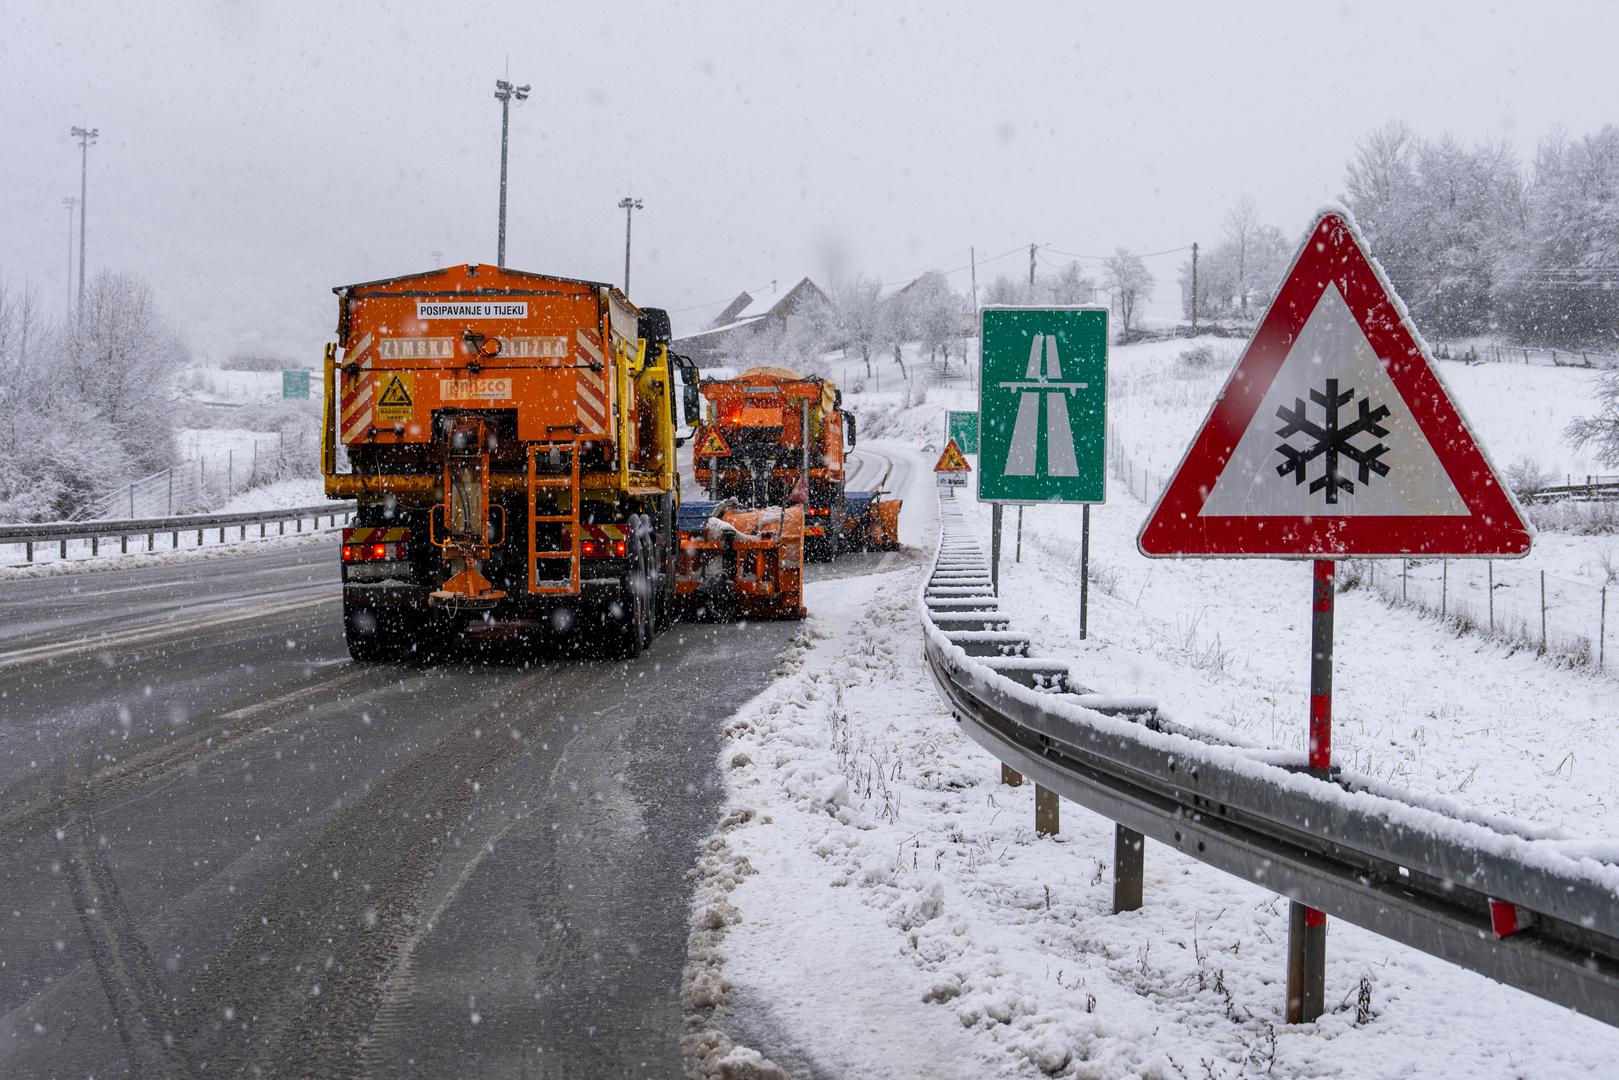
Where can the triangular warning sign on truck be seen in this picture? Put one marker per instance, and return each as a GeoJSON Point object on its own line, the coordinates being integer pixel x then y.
{"type": "Point", "coordinates": [395, 402]}
{"type": "Point", "coordinates": [952, 460]}
{"type": "Point", "coordinates": [1334, 436]}
{"type": "Point", "coordinates": [713, 444]}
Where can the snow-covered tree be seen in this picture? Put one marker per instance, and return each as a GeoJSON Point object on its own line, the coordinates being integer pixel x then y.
{"type": "Point", "coordinates": [1557, 281]}
{"type": "Point", "coordinates": [120, 358]}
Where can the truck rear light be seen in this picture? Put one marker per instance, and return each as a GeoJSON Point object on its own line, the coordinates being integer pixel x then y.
{"type": "Point", "coordinates": [373, 552]}
{"type": "Point", "coordinates": [603, 548]}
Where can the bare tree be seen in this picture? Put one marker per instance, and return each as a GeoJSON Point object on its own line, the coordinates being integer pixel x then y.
{"type": "Point", "coordinates": [1602, 430]}
{"type": "Point", "coordinates": [1130, 281]}
{"type": "Point", "coordinates": [857, 314]}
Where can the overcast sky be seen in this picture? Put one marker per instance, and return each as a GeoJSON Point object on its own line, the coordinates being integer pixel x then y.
{"type": "Point", "coordinates": [253, 155]}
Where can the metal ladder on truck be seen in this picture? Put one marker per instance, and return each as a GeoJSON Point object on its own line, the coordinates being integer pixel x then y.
{"type": "Point", "coordinates": [547, 544]}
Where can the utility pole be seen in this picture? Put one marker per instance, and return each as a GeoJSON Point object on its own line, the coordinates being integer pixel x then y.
{"type": "Point", "coordinates": [504, 92]}
{"type": "Point", "coordinates": [438, 258]}
{"type": "Point", "coordinates": [1194, 285]}
{"type": "Point", "coordinates": [70, 202]}
{"type": "Point", "coordinates": [87, 138]}
{"type": "Point", "coordinates": [972, 254]}
{"type": "Point", "coordinates": [629, 206]}
{"type": "Point", "coordinates": [1031, 272]}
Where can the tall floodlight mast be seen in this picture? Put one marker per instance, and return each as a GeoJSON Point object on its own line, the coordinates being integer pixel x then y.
{"type": "Point", "coordinates": [504, 92]}
{"type": "Point", "coordinates": [629, 206]}
{"type": "Point", "coordinates": [87, 138]}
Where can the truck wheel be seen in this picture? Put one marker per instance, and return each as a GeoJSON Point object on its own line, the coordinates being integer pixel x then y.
{"type": "Point", "coordinates": [363, 632]}
{"type": "Point", "coordinates": [664, 556]}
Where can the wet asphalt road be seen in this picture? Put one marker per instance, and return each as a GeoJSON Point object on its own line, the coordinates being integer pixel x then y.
{"type": "Point", "coordinates": [228, 851]}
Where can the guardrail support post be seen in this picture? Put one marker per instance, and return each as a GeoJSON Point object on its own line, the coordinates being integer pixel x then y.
{"type": "Point", "coordinates": [64, 549]}
{"type": "Point", "coordinates": [1129, 862]}
{"type": "Point", "coordinates": [30, 546]}
{"type": "Point", "coordinates": [123, 545]}
{"type": "Point", "coordinates": [1045, 812]}
{"type": "Point", "coordinates": [1010, 776]}
{"type": "Point", "coordinates": [95, 545]}
{"type": "Point", "coordinates": [150, 543]}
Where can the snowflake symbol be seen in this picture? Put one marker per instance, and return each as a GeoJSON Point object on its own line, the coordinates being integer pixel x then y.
{"type": "Point", "coordinates": [1332, 442]}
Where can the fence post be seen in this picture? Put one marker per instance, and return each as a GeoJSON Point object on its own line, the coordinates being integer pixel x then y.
{"type": "Point", "coordinates": [1602, 632]}
{"type": "Point", "coordinates": [171, 498]}
{"type": "Point", "coordinates": [1489, 565]}
{"type": "Point", "coordinates": [1405, 576]}
{"type": "Point", "coordinates": [132, 500]}
{"type": "Point", "coordinates": [1444, 588]}
{"type": "Point", "coordinates": [1543, 644]}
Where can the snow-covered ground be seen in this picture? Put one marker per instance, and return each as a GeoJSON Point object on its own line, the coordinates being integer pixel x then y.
{"type": "Point", "coordinates": [877, 904]}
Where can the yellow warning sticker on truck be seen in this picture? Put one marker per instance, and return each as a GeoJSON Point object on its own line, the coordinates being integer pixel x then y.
{"type": "Point", "coordinates": [398, 396]}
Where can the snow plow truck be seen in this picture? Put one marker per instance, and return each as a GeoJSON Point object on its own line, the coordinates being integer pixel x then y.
{"type": "Point", "coordinates": [782, 431]}
{"type": "Point", "coordinates": [510, 441]}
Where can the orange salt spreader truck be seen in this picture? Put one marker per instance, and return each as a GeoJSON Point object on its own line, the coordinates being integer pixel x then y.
{"type": "Point", "coordinates": [782, 431]}
{"type": "Point", "coordinates": [510, 441]}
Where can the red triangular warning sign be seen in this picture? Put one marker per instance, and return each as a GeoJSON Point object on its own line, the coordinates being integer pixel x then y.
{"type": "Point", "coordinates": [1334, 435]}
{"type": "Point", "coordinates": [952, 460]}
{"type": "Point", "coordinates": [713, 444]}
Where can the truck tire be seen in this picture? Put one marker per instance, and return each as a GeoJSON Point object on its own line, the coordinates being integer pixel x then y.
{"type": "Point", "coordinates": [627, 632]}
{"type": "Point", "coordinates": [363, 632]}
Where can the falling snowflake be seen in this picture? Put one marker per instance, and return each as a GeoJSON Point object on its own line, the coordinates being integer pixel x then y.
{"type": "Point", "coordinates": [1332, 442]}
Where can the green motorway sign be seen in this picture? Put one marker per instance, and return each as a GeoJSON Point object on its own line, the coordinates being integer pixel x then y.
{"type": "Point", "coordinates": [1042, 403]}
{"type": "Point", "coordinates": [963, 427]}
{"type": "Point", "coordinates": [295, 384]}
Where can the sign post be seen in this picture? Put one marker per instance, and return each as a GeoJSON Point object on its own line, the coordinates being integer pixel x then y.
{"type": "Point", "coordinates": [1042, 416]}
{"type": "Point", "coordinates": [1333, 438]}
{"type": "Point", "coordinates": [713, 446]}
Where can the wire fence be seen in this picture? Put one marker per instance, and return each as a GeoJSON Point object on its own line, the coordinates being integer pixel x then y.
{"type": "Point", "coordinates": [1560, 618]}
{"type": "Point", "coordinates": [198, 484]}
{"type": "Point", "coordinates": [1525, 354]}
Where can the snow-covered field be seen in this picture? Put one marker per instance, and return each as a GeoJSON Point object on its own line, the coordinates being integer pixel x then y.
{"type": "Point", "coordinates": [877, 904]}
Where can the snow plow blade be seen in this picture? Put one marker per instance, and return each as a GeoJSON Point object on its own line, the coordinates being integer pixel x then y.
{"type": "Point", "coordinates": [737, 563]}
{"type": "Point", "coordinates": [870, 522]}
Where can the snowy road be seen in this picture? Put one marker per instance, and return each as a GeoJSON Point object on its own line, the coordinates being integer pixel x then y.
{"type": "Point", "coordinates": [228, 850]}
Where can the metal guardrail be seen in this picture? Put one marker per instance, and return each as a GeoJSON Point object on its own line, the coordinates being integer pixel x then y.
{"type": "Point", "coordinates": [1415, 870]}
{"type": "Point", "coordinates": [64, 532]}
